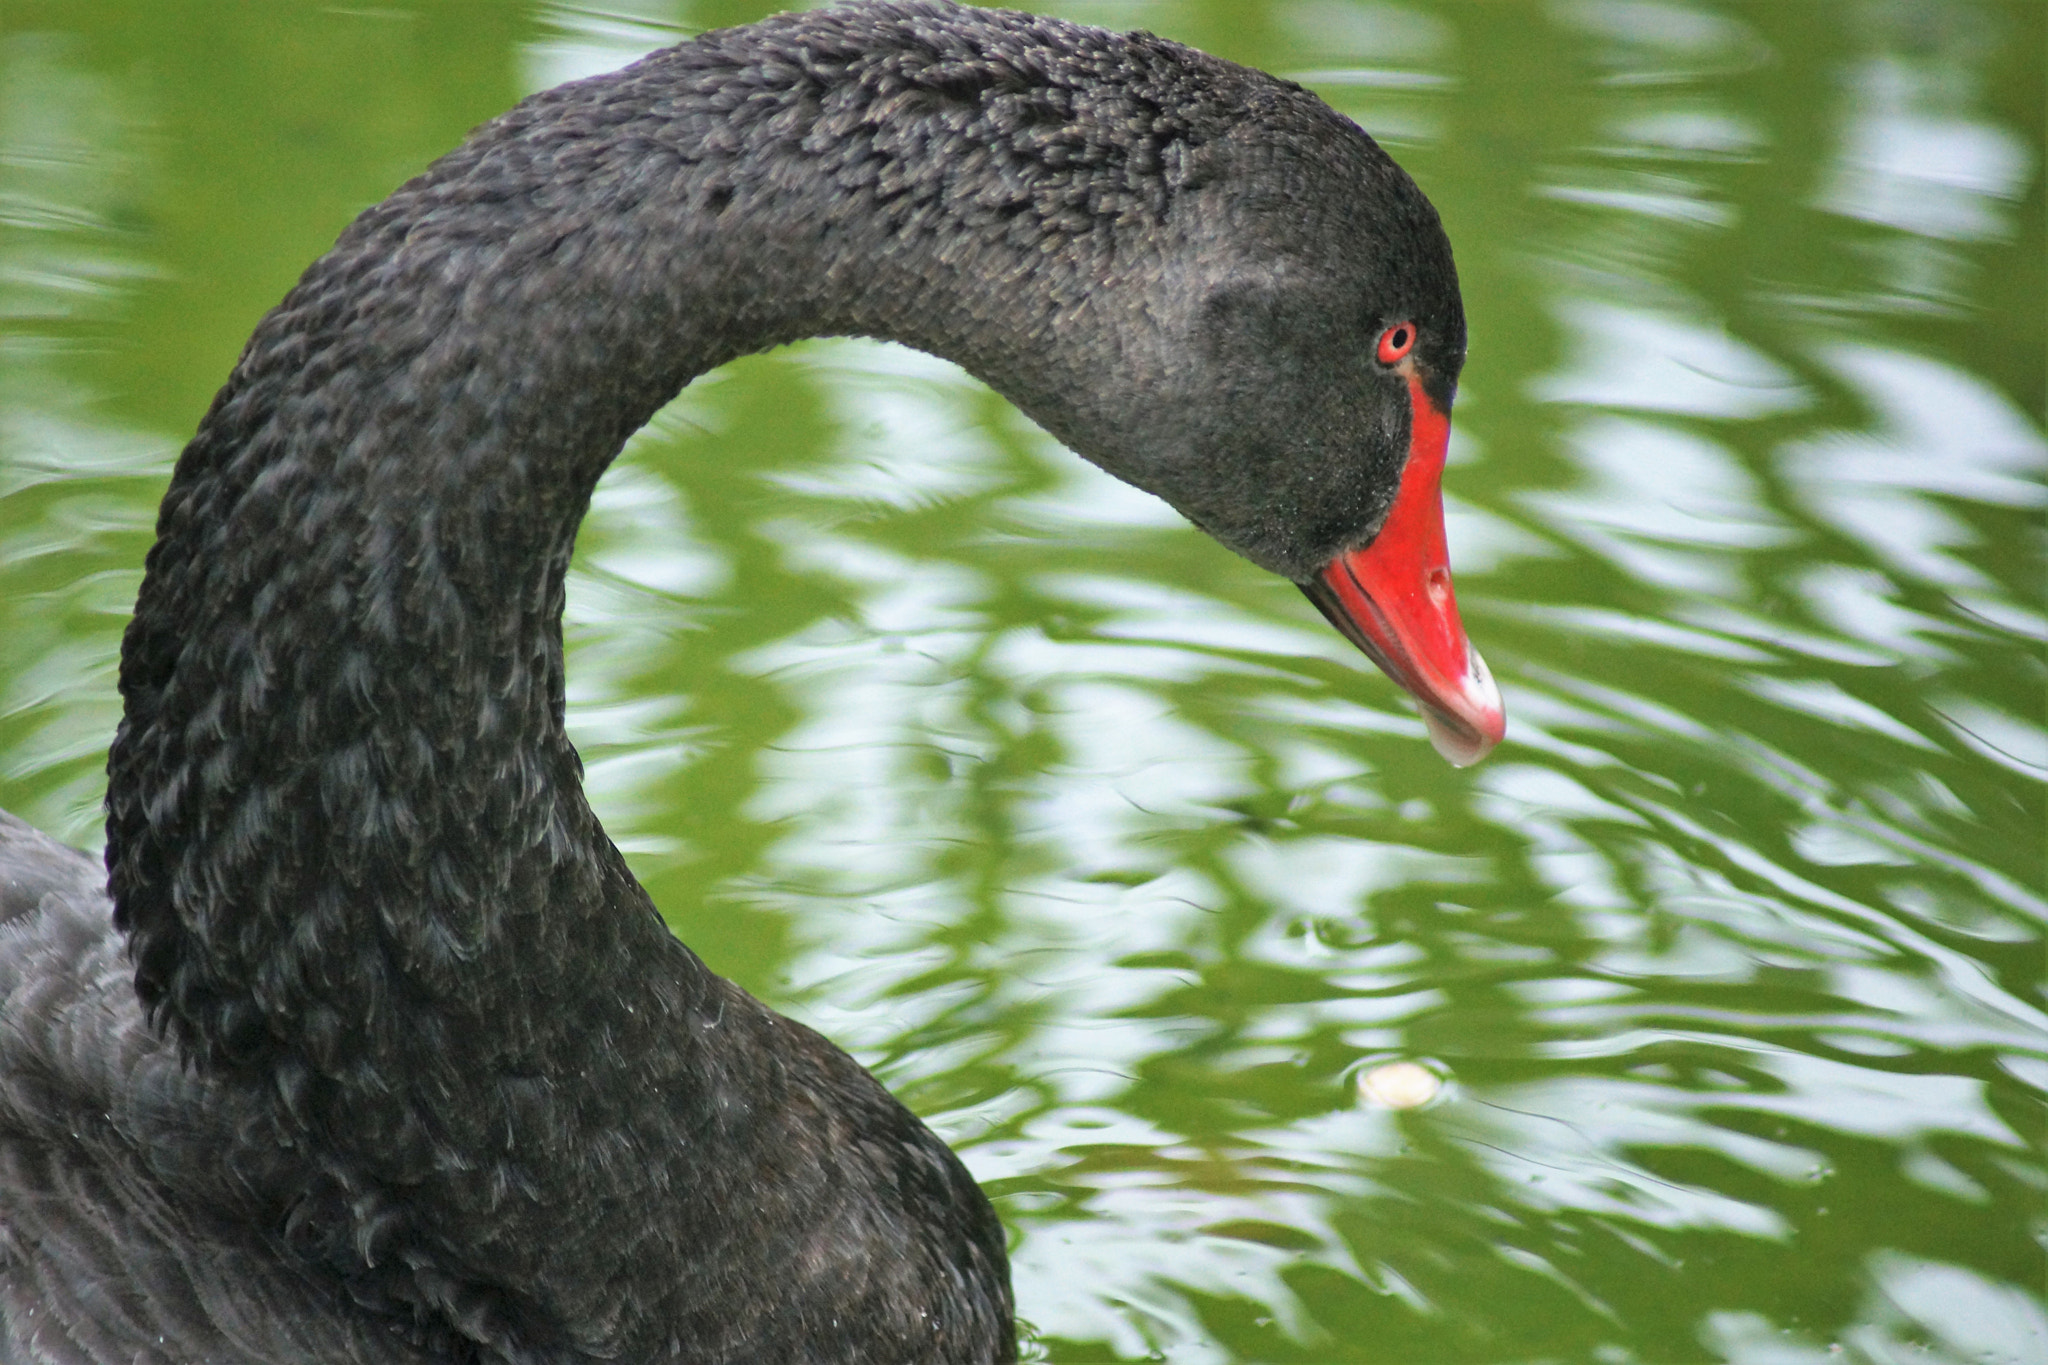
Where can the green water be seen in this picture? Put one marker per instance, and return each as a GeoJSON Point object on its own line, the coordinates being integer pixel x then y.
{"type": "Point", "coordinates": [1103, 850]}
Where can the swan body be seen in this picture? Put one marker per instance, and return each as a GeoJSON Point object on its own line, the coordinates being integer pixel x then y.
{"type": "Point", "coordinates": [367, 1046]}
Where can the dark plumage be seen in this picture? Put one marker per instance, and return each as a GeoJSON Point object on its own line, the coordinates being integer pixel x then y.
{"type": "Point", "coordinates": [405, 1065]}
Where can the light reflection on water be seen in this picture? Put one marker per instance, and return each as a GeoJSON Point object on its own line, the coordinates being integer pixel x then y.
{"type": "Point", "coordinates": [1117, 864]}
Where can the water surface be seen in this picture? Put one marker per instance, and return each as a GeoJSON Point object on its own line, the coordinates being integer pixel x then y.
{"type": "Point", "coordinates": [1103, 850]}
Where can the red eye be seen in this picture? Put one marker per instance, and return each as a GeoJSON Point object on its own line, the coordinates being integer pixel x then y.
{"type": "Point", "coordinates": [1396, 342]}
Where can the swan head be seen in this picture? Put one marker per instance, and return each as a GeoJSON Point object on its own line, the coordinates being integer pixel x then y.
{"type": "Point", "coordinates": [1304, 335]}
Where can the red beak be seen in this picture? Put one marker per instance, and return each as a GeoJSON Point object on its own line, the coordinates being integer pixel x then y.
{"type": "Point", "coordinates": [1393, 600]}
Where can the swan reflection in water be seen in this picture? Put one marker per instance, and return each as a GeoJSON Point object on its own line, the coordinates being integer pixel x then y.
{"type": "Point", "coordinates": [369, 1046]}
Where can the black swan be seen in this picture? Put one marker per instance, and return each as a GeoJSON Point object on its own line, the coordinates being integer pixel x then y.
{"type": "Point", "coordinates": [367, 1046]}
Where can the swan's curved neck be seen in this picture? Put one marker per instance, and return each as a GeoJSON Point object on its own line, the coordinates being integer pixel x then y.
{"type": "Point", "coordinates": [346, 832]}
